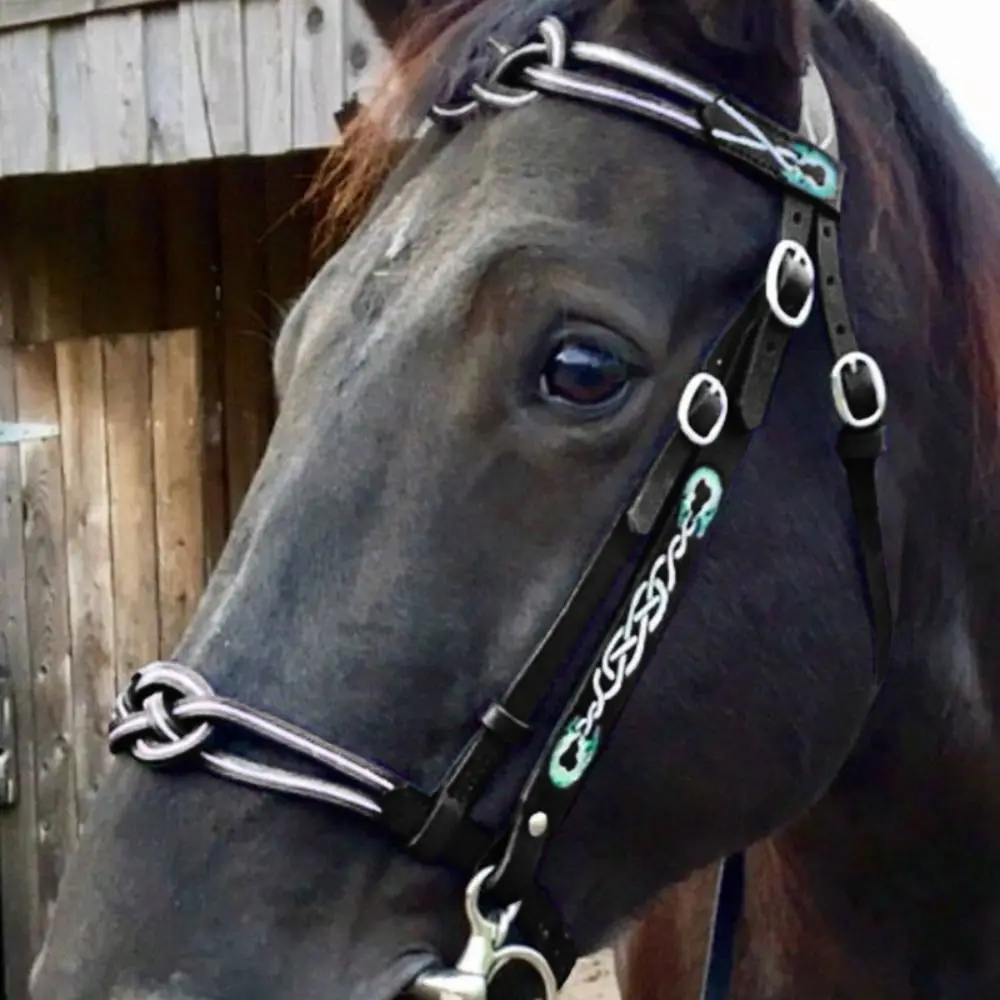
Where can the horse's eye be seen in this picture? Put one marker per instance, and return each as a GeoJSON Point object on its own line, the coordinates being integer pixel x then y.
{"type": "Point", "coordinates": [585, 373]}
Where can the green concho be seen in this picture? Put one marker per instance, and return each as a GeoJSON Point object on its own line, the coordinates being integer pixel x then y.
{"type": "Point", "coordinates": [563, 775]}
{"type": "Point", "coordinates": [815, 173]}
{"type": "Point", "coordinates": [710, 480]}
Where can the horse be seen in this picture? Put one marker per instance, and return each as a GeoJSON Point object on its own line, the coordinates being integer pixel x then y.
{"type": "Point", "coordinates": [630, 506]}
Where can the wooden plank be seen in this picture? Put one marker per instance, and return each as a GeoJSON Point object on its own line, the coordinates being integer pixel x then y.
{"type": "Point", "coordinates": [80, 371]}
{"type": "Point", "coordinates": [366, 55]}
{"type": "Point", "coordinates": [48, 619]}
{"type": "Point", "coordinates": [20, 898]}
{"type": "Point", "coordinates": [268, 46]}
{"type": "Point", "coordinates": [190, 218]}
{"type": "Point", "coordinates": [212, 78]}
{"type": "Point", "coordinates": [118, 115]}
{"type": "Point", "coordinates": [177, 459]}
{"type": "Point", "coordinates": [128, 401]}
{"type": "Point", "coordinates": [318, 69]}
{"type": "Point", "coordinates": [17, 13]}
{"type": "Point", "coordinates": [72, 98]}
{"type": "Point", "coordinates": [248, 386]}
{"type": "Point", "coordinates": [165, 101]}
{"type": "Point", "coordinates": [27, 133]}
{"type": "Point", "coordinates": [58, 261]}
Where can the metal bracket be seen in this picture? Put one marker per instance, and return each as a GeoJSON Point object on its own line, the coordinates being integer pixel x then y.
{"type": "Point", "coordinates": [14, 433]}
{"type": "Point", "coordinates": [8, 745]}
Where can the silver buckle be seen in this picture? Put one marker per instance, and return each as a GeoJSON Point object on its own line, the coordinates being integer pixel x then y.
{"type": "Point", "coordinates": [697, 382]}
{"type": "Point", "coordinates": [854, 360]}
{"type": "Point", "coordinates": [799, 256]}
{"type": "Point", "coordinates": [484, 956]}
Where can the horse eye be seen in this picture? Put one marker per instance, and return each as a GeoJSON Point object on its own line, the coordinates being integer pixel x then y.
{"type": "Point", "coordinates": [585, 373]}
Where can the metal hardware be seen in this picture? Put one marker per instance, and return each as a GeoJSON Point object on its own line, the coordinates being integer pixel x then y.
{"type": "Point", "coordinates": [14, 433]}
{"type": "Point", "coordinates": [790, 265]}
{"type": "Point", "coordinates": [538, 823]}
{"type": "Point", "coordinates": [703, 389]}
{"type": "Point", "coordinates": [854, 362]}
{"type": "Point", "coordinates": [8, 745]}
{"type": "Point", "coordinates": [484, 956]}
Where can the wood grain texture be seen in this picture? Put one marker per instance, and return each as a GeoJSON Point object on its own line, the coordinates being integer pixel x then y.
{"type": "Point", "coordinates": [268, 46]}
{"type": "Point", "coordinates": [190, 218]}
{"type": "Point", "coordinates": [248, 398]}
{"type": "Point", "coordinates": [132, 503]}
{"type": "Point", "coordinates": [164, 98]}
{"type": "Point", "coordinates": [27, 132]}
{"type": "Point", "coordinates": [18, 13]}
{"type": "Point", "coordinates": [20, 898]}
{"type": "Point", "coordinates": [177, 461]}
{"type": "Point", "coordinates": [121, 82]}
{"type": "Point", "coordinates": [48, 619]}
{"type": "Point", "coordinates": [73, 101]}
{"type": "Point", "coordinates": [117, 98]}
{"type": "Point", "coordinates": [212, 78]}
{"type": "Point", "coordinates": [317, 57]}
{"type": "Point", "coordinates": [80, 370]}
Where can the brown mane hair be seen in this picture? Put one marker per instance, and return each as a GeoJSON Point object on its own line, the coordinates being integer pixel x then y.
{"type": "Point", "coordinates": [926, 176]}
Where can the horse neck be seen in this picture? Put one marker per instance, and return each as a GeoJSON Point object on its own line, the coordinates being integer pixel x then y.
{"type": "Point", "coordinates": [890, 887]}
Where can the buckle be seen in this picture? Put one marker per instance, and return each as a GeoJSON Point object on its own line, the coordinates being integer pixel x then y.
{"type": "Point", "coordinates": [859, 392]}
{"type": "Point", "coordinates": [703, 408]}
{"type": "Point", "coordinates": [790, 285]}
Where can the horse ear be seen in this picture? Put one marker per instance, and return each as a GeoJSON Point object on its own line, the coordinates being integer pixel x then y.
{"type": "Point", "coordinates": [765, 28]}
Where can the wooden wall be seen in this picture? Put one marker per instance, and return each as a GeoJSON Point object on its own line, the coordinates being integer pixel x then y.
{"type": "Point", "coordinates": [85, 85]}
{"type": "Point", "coordinates": [137, 310]}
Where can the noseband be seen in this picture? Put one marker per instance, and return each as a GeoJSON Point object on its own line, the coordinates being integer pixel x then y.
{"type": "Point", "coordinates": [168, 712]}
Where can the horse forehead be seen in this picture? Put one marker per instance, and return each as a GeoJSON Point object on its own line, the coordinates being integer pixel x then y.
{"type": "Point", "coordinates": [418, 259]}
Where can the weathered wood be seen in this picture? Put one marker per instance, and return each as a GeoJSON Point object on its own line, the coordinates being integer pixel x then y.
{"type": "Point", "coordinates": [317, 56]}
{"type": "Point", "coordinates": [133, 503]}
{"type": "Point", "coordinates": [165, 102]}
{"type": "Point", "coordinates": [365, 53]}
{"type": "Point", "coordinates": [17, 13]}
{"type": "Point", "coordinates": [71, 68]}
{"type": "Point", "coordinates": [79, 364]}
{"type": "Point", "coordinates": [212, 78]}
{"type": "Point", "coordinates": [48, 619]}
{"type": "Point", "coordinates": [267, 34]}
{"type": "Point", "coordinates": [20, 898]}
{"type": "Point", "coordinates": [27, 139]}
{"type": "Point", "coordinates": [189, 215]}
{"type": "Point", "coordinates": [246, 348]}
{"type": "Point", "coordinates": [177, 438]}
{"type": "Point", "coordinates": [133, 266]}
{"type": "Point", "coordinates": [117, 95]}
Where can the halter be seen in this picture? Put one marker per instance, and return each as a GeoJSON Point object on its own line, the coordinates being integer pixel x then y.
{"type": "Point", "coordinates": [168, 712]}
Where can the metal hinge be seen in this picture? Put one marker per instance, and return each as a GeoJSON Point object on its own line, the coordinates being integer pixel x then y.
{"type": "Point", "coordinates": [8, 745]}
{"type": "Point", "coordinates": [14, 433]}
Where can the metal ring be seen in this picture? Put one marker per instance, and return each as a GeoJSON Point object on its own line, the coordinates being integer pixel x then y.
{"type": "Point", "coordinates": [694, 386]}
{"type": "Point", "coordinates": [843, 407]}
{"type": "Point", "coordinates": [773, 293]}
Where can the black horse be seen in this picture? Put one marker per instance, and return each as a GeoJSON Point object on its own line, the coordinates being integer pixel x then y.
{"type": "Point", "coordinates": [472, 390]}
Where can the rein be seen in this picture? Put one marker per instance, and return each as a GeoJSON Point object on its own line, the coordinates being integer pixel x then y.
{"type": "Point", "coordinates": [168, 712]}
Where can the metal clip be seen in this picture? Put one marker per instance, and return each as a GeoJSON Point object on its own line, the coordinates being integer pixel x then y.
{"type": "Point", "coordinates": [484, 956]}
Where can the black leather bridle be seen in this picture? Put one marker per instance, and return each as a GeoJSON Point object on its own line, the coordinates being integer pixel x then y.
{"type": "Point", "coordinates": [168, 711]}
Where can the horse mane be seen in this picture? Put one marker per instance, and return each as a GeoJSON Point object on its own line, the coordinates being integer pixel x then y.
{"type": "Point", "coordinates": [873, 69]}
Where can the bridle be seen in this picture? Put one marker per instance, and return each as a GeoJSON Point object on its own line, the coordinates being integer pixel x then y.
{"type": "Point", "coordinates": [168, 711]}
